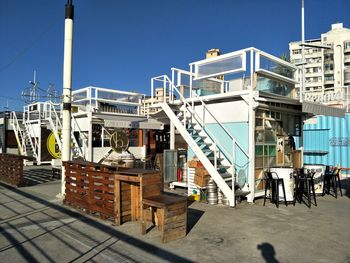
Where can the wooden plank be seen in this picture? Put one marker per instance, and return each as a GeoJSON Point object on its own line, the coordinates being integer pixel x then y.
{"type": "Point", "coordinates": [176, 212]}
{"type": "Point", "coordinates": [117, 202]}
{"type": "Point", "coordinates": [173, 226]}
{"type": "Point", "coordinates": [149, 190]}
{"type": "Point", "coordinates": [128, 178]}
{"type": "Point", "coordinates": [173, 236]}
{"type": "Point", "coordinates": [133, 196]}
{"type": "Point", "coordinates": [177, 218]}
{"type": "Point", "coordinates": [177, 206]}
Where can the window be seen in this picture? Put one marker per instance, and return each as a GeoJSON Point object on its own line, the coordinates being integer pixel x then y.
{"type": "Point", "coordinates": [346, 45]}
{"type": "Point", "coordinates": [296, 51]}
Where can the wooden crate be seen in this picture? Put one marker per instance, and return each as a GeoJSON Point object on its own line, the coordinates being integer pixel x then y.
{"type": "Point", "coordinates": [194, 163]}
{"type": "Point", "coordinates": [201, 181]}
{"type": "Point", "coordinates": [201, 177]}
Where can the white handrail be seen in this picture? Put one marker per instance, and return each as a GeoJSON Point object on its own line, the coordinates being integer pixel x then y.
{"type": "Point", "coordinates": [199, 121]}
{"type": "Point", "coordinates": [58, 125]}
{"type": "Point", "coordinates": [17, 130]}
{"type": "Point", "coordinates": [34, 146]}
{"type": "Point", "coordinates": [206, 107]}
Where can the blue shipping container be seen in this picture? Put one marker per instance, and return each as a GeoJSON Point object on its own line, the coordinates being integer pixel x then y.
{"type": "Point", "coordinates": [326, 141]}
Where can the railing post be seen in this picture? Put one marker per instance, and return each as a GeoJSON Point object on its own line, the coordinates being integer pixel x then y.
{"type": "Point", "coordinates": [347, 98]}
{"type": "Point", "coordinates": [164, 89]}
{"type": "Point", "coordinates": [203, 120]}
{"type": "Point", "coordinates": [152, 87]}
{"type": "Point", "coordinates": [172, 85]}
{"type": "Point", "coordinates": [215, 157]}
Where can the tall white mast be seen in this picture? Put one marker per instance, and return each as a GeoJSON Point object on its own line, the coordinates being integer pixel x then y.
{"type": "Point", "coordinates": [302, 87]}
{"type": "Point", "coordinates": [67, 87]}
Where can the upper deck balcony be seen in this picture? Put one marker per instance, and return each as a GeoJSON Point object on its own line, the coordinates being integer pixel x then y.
{"type": "Point", "coordinates": [109, 101]}
{"type": "Point", "coordinates": [243, 70]}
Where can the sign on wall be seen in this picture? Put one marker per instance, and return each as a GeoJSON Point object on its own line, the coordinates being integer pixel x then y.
{"type": "Point", "coordinates": [52, 146]}
{"type": "Point", "coordinates": [339, 141]}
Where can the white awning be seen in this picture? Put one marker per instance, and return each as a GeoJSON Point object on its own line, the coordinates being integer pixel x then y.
{"type": "Point", "coordinates": [319, 109]}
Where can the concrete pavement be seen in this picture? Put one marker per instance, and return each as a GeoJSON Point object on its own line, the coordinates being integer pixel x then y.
{"type": "Point", "coordinates": [36, 227]}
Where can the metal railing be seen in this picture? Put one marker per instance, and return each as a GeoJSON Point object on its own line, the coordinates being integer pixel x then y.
{"type": "Point", "coordinates": [51, 115]}
{"type": "Point", "coordinates": [18, 131]}
{"type": "Point", "coordinates": [108, 100]}
{"type": "Point", "coordinates": [205, 108]}
{"type": "Point", "coordinates": [218, 147]}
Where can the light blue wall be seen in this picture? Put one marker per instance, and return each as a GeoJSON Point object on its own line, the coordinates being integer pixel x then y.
{"type": "Point", "coordinates": [239, 130]}
{"type": "Point", "coordinates": [328, 141]}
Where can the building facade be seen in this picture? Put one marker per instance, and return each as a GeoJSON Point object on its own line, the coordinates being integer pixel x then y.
{"type": "Point", "coordinates": [327, 68]}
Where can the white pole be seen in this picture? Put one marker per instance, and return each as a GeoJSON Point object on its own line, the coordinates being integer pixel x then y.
{"type": "Point", "coordinates": [90, 153]}
{"type": "Point", "coordinates": [172, 136]}
{"type": "Point", "coordinates": [251, 133]}
{"type": "Point", "coordinates": [67, 88]}
{"type": "Point", "coordinates": [302, 52]}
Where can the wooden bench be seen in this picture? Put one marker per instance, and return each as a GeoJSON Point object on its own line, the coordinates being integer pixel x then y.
{"type": "Point", "coordinates": [167, 211]}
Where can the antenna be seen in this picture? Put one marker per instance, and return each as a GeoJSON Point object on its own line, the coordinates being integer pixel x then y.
{"type": "Point", "coordinates": [31, 94]}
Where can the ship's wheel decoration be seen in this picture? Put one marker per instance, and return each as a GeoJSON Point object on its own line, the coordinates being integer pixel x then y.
{"type": "Point", "coordinates": [119, 141]}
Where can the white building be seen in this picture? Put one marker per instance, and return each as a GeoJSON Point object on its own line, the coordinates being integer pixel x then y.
{"type": "Point", "coordinates": [235, 112]}
{"type": "Point", "coordinates": [327, 70]}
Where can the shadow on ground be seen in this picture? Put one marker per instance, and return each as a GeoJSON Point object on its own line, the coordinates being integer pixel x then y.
{"type": "Point", "coordinates": [193, 216]}
{"type": "Point", "coordinates": [268, 252]}
{"type": "Point", "coordinates": [37, 176]}
{"type": "Point", "coordinates": [345, 184]}
{"type": "Point", "coordinates": [9, 230]}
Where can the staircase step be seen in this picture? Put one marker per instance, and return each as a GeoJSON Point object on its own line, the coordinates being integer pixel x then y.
{"type": "Point", "coordinates": [196, 136]}
{"type": "Point", "coordinates": [194, 130]}
{"type": "Point", "coordinates": [220, 166]}
{"type": "Point", "coordinates": [226, 176]}
{"type": "Point", "coordinates": [211, 158]}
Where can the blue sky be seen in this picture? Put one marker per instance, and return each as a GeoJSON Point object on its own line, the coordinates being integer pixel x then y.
{"type": "Point", "coordinates": [121, 44]}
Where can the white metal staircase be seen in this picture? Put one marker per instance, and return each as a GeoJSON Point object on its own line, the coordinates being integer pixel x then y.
{"type": "Point", "coordinates": [26, 137]}
{"type": "Point", "coordinates": [54, 124]}
{"type": "Point", "coordinates": [27, 143]}
{"type": "Point", "coordinates": [213, 155]}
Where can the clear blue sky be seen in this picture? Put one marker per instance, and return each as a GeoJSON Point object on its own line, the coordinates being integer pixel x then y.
{"type": "Point", "coordinates": [121, 44]}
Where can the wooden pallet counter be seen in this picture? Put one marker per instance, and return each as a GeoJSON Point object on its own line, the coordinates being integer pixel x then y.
{"type": "Point", "coordinates": [90, 187]}
{"type": "Point", "coordinates": [108, 191]}
{"type": "Point", "coordinates": [119, 194]}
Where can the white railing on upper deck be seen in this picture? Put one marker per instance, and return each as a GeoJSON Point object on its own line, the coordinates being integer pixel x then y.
{"type": "Point", "coordinates": [108, 100]}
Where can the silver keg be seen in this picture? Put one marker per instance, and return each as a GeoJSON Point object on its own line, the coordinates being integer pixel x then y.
{"type": "Point", "coordinates": [220, 195]}
{"type": "Point", "coordinates": [225, 200]}
{"type": "Point", "coordinates": [212, 192]}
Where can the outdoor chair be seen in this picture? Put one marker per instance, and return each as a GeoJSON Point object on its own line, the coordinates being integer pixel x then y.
{"type": "Point", "coordinates": [305, 185]}
{"type": "Point", "coordinates": [332, 179]}
{"type": "Point", "coordinates": [272, 181]}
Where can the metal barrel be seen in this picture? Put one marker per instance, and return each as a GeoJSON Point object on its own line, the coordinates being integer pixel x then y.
{"type": "Point", "coordinates": [220, 195]}
{"type": "Point", "coordinates": [212, 192]}
{"type": "Point", "coordinates": [225, 200]}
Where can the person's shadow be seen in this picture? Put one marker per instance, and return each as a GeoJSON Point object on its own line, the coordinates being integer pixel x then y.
{"type": "Point", "coordinates": [268, 252]}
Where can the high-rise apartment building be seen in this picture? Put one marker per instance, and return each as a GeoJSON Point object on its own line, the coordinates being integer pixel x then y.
{"type": "Point", "coordinates": [327, 70]}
